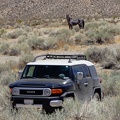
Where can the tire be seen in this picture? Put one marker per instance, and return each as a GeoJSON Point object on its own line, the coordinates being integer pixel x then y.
{"type": "Point", "coordinates": [96, 97]}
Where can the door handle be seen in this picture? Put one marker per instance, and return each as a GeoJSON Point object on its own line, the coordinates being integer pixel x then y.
{"type": "Point", "coordinates": [86, 84]}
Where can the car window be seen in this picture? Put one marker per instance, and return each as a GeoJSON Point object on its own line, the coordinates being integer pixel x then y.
{"type": "Point", "coordinates": [29, 72]}
{"type": "Point", "coordinates": [76, 69]}
{"type": "Point", "coordinates": [86, 71]}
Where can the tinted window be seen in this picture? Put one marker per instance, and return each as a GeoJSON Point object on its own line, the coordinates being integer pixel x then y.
{"type": "Point", "coordinates": [76, 69]}
{"type": "Point", "coordinates": [86, 71]}
{"type": "Point", "coordinates": [81, 68]}
{"type": "Point", "coordinates": [93, 71]}
{"type": "Point", "coordinates": [46, 71]}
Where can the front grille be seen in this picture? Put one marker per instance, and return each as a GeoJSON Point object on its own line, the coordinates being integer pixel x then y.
{"type": "Point", "coordinates": [31, 92]}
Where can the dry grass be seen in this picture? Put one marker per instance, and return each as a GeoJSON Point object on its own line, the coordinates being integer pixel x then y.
{"type": "Point", "coordinates": [60, 40]}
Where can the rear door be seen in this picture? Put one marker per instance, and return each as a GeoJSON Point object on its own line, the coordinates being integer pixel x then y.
{"type": "Point", "coordinates": [88, 82]}
{"type": "Point", "coordinates": [84, 89]}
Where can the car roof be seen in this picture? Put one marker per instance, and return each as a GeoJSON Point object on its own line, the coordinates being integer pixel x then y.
{"type": "Point", "coordinates": [60, 62]}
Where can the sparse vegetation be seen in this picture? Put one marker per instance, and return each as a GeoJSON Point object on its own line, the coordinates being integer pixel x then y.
{"type": "Point", "coordinates": [109, 58]}
{"type": "Point", "coordinates": [24, 59]}
{"type": "Point", "coordinates": [15, 33]}
{"type": "Point", "coordinates": [4, 48]}
{"type": "Point", "coordinates": [32, 40]}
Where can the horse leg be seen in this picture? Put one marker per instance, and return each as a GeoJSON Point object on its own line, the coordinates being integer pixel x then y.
{"type": "Point", "coordinates": [79, 25]}
{"type": "Point", "coordinates": [70, 27]}
{"type": "Point", "coordinates": [83, 24]}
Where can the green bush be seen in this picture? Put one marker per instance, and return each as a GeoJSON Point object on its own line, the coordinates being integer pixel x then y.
{"type": "Point", "coordinates": [79, 39]}
{"type": "Point", "coordinates": [7, 77]}
{"type": "Point", "coordinates": [4, 67]}
{"type": "Point", "coordinates": [111, 83]}
{"type": "Point", "coordinates": [2, 31]}
{"type": "Point", "coordinates": [24, 47]}
{"type": "Point", "coordinates": [24, 59]}
{"type": "Point", "coordinates": [22, 38]}
{"type": "Point", "coordinates": [50, 43]}
{"type": "Point", "coordinates": [4, 47]}
{"type": "Point", "coordinates": [94, 25]}
{"type": "Point", "coordinates": [118, 53]}
{"type": "Point", "coordinates": [64, 34]}
{"type": "Point", "coordinates": [105, 56]}
{"type": "Point", "coordinates": [15, 33]}
{"type": "Point", "coordinates": [101, 32]}
{"type": "Point", "coordinates": [35, 42]}
{"type": "Point", "coordinates": [94, 54]}
{"type": "Point", "coordinates": [14, 51]}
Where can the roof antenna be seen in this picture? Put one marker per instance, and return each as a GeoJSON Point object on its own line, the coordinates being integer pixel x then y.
{"type": "Point", "coordinates": [69, 60]}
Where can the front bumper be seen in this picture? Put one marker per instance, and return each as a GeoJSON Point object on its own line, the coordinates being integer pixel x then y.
{"type": "Point", "coordinates": [39, 102]}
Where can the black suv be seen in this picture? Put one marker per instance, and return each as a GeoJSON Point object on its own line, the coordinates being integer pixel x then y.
{"type": "Point", "coordinates": [46, 82]}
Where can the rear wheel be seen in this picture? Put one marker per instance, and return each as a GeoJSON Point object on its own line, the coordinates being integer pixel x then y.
{"type": "Point", "coordinates": [96, 97]}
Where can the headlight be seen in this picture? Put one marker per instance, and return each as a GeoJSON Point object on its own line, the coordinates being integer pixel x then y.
{"type": "Point", "coordinates": [15, 91]}
{"type": "Point", "coordinates": [47, 92]}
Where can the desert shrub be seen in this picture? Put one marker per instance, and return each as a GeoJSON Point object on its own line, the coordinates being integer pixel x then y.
{"type": "Point", "coordinates": [35, 42]}
{"type": "Point", "coordinates": [108, 58]}
{"type": "Point", "coordinates": [37, 32]}
{"type": "Point", "coordinates": [27, 28]}
{"type": "Point", "coordinates": [55, 24]}
{"type": "Point", "coordinates": [66, 47]}
{"type": "Point", "coordinates": [14, 51]}
{"type": "Point", "coordinates": [76, 110]}
{"type": "Point", "coordinates": [105, 56]}
{"type": "Point", "coordinates": [64, 34]}
{"type": "Point", "coordinates": [7, 77]}
{"type": "Point", "coordinates": [111, 83]}
{"type": "Point", "coordinates": [12, 64]}
{"type": "Point", "coordinates": [4, 48]}
{"type": "Point", "coordinates": [93, 110]}
{"type": "Point", "coordinates": [101, 32]}
{"type": "Point", "coordinates": [94, 25]}
{"type": "Point", "coordinates": [79, 39]}
{"type": "Point", "coordinates": [118, 53]}
{"type": "Point", "coordinates": [15, 33]}
{"type": "Point", "coordinates": [45, 31]}
{"type": "Point", "coordinates": [91, 34]}
{"type": "Point", "coordinates": [22, 38]}
{"type": "Point", "coordinates": [76, 28]}
{"type": "Point", "coordinates": [2, 31]}
{"type": "Point", "coordinates": [94, 54]}
{"type": "Point", "coordinates": [109, 63]}
{"type": "Point", "coordinates": [24, 47]}
{"type": "Point", "coordinates": [24, 59]}
{"type": "Point", "coordinates": [54, 33]}
{"type": "Point", "coordinates": [50, 43]}
{"type": "Point", "coordinates": [4, 67]}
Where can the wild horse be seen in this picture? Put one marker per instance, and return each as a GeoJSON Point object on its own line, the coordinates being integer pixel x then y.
{"type": "Point", "coordinates": [71, 22]}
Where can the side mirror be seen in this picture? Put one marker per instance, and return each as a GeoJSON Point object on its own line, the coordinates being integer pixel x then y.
{"type": "Point", "coordinates": [79, 76]}
{"type": "Point", "coordinates": [19, 74]}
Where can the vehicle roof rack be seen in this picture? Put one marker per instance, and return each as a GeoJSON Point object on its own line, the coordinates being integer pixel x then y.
{"type": "Point", "coordinates": [58, 56]}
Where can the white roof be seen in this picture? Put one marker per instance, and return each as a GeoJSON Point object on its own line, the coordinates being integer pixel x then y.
{"type": "Point", "coordinates": [60, 62]}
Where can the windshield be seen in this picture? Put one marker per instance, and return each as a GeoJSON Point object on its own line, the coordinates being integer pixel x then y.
{"type": "Point", "coordinates": [46, 71]}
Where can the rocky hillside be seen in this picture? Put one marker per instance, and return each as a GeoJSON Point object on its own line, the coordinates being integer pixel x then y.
{"type": "Point", "coordinates": [26, 9]}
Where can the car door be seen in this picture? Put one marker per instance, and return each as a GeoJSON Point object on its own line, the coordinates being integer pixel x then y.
{"type": "Point", "coordinates": [88, 82]}
{"type": "Point", "coordinates": [83, 90]}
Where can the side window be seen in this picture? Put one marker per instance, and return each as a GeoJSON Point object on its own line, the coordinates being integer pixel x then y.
{"type": "Point", "coordinates": [76, 69]}
{"type": "Point", "coordinates": [30, 71]}
{"type": "Point", "coordinates": [86, 71]}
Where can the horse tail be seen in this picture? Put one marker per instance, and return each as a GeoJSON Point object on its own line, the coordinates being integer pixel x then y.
{"type": "Point", "coordinates": [81, 23]}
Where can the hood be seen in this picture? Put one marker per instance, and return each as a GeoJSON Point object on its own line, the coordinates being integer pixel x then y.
{"type": "Point", "coordinates": [43, 83]}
